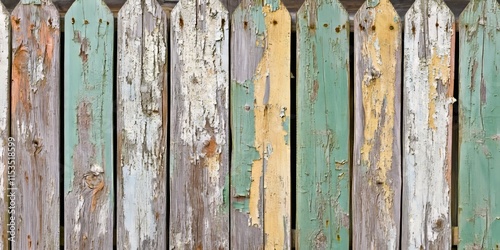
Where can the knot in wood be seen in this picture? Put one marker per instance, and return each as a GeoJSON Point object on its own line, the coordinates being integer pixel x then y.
{"type": "Point", "coordinates": [94, 177]}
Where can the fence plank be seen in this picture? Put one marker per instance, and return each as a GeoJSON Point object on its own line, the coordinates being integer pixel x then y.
{"type": "Point", "coordinates": [142, 126]}
{"type": "Point", "coordinates": [88, 126]}
{"type": "Point", "coordinates": [479, 104]}
{"type": "Point", "coordinates": [199, 147]}
{"type": "Point", "coordinates": [35, 122]}
{"type": "Point", "coordinates": [4, 123]}
{"type": "Point", "coordinates": [323, 126]}
{"type": "Point", "coordinates": [260, 103]}
{"type": "Point", "coordinates": [427, 122]}
{"type": "Point", "coordinates": [377, 100]}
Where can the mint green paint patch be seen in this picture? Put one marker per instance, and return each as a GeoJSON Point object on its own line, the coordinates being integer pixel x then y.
{"type": "Point", "coordinates": [322, 126]}
{"type": "Point", "coordinates": [274, 4]}
{"type": "Point", "coordinates": [372, 3]}
{"type": "Point", "coordinates": [479, 105]}
{"type": "Point", "coordinates": [243, 137]}
{"type": "Point", "coordinates": [34, 2]}
{"type": "Point", "coordinates": [225, 195]}
{"type": "Point", "coordinates": [88, 92]}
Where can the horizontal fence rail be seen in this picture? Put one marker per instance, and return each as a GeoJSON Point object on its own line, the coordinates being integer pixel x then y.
{"type": "Point", "coordinates": [224, 125]}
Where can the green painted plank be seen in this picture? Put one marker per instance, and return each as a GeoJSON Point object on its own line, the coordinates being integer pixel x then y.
{"type": "Point", "coordinates": [142, 126]}
{"type": "Point", "coordinates": [35, 120]}
{"type": "Point", "coordinates": [427, 122]}
{"type": "Point", "coordinates": [88, 126]}
{"type": "Point", "coordinates": [6, 157]}
{"type": "Point", "coordinates": [479, 139]}
{"type": "Point", "coordinates": [376, 182]}
{"type": "Point", "coordinates": [323, 126]}
{"type": "Point", "coordinates": [199, 134]}
{"type": "Point", "coordinates": [260, 106]}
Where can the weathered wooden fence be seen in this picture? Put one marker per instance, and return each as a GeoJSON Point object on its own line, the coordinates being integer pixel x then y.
{"type": "Point", "coordinates": [192, 128]}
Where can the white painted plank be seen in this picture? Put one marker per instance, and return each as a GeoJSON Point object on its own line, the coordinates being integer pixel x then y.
{"type": "Point", "coordinates": [199, 132]}
{"type": "Point", "coordinates": [142, 126]}
{"type": "Point", "coordinates": [427, 123]}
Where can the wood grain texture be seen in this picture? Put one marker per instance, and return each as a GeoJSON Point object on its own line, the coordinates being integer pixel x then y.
{"type": "Point", "coordinates": [142, 126]}
{"type": "Point", "coordinates": [427, 125]}
{"type": "Point", "coordinates": [88, 126]}
{"type": "Point", "coordinates": [376, 186]}
{"type": "Point", "coordinates": [4, 122]}
{"type": "Point", "coordinates": [323, 127]}
{"type": "Point", "coordinates": [479, 142]}
{"type": "Point", "coordinates": [35, 121]}
{"type": "Point", "coordinates": [260, 121]}
{"type": "Point", "coordinates": [351, 6]}
{"type": "Point", "coordinates": [199, 135]}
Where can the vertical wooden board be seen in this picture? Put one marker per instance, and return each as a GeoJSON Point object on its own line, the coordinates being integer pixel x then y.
{"type": "Point", "coordinates": [88, 126]}
{"type": "Point", "coordinates": [142, 126]}
{"type": "Point", "coordinates": [427, 124]}
{"type": "Point", "coordinates": [260, 121]}
{"type": "Point", "coordinates": [323, 126]}
{"type": "Point", "coordinates": [199, 135]}
{"type": "Point", "coordinates": [377, 151]}
{"type": "Point", "coordinates": [4, 121]}
{"type": "Point", "coordinates": [35, 122]}
{"type": "Point", "coordinates": [479, 105]}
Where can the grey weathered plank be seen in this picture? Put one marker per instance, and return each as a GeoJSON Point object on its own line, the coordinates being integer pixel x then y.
{"type": "Point", "coordinates": [199, 132]}
{"type": "Point", "coordinates": [427, 125]}
{"type": "Point", "coordinates": [4, 123]}
{"type": "Point", "coordinates": [142, 126]}
{"type": "Point", "coordinates": [88, 126]}
{"type": "Point", "coordinates": [376, 189]}
{"type": "Point", "coordinates": [35, 106]}
{"type": "Point", "coordinates": [260, 120]}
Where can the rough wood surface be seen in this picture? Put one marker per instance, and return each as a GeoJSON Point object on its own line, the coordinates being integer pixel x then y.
{"type": "Point", "coordinates": [376, 190]}
{"type": "Point", "coordinates": [88, 126]}
{"type": "Point", "coordinates": [479, 109]}
{"type": "Point", "coordinates": [260, 120]}
{"type": "Point", "coordinates": [4, 121]}
{"type": "Point", "coordinates": [35, 122]}
{"type": "Point", "coordinates": [142, 126]}
{"type": "Point", "coordinates": [351, 6]}
{"type": "Point", "coordinates": [427, 125]}
{"type": "Point", "coordinates": [199, 135]}
{"type": "Point", "coordinates": [323, 126]}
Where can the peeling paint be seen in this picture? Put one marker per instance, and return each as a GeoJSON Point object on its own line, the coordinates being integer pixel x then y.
{"type": "Point", "coordinates": [88, 124]}
{"type": "Point", "coordinates": [377, 161]}
{"type": "Point", "coordinates": [260, 127]}
{"type": "Point", "coordinates": [322, 126]}
{"type": "Point", "coordinates": [35, 122]}
{"type": "Point", "coordinates": [428, 88]}
{"type": "Point", "coordinates": [199, 147]}
{"type": "Point", "coordinates": [479, 121]}
{"type": "Point", "coordinates": [142, 125]}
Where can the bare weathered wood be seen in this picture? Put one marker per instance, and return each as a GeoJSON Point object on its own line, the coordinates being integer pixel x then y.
{"type": "Point", "coordinates": [479, 138]}
{"type": "Point", "coordinates": [323, 126]}
{"type": "Point", "coordinates": [35, 122]}
{"type": "Point", "coordinates": [427, 125]}
{"type": "Point", "coordinates": [260, 120]}
{"type": "Point", "coordinates": [199, 131]}
{"type": "Point", "coordinates": [88, 126]}
{"type": "Point", "coordinates": [6, 156]}
{"type": "Point", "coordinates": [142, 126]}
{"type": "Point", "coordinates": [351, 6]}
{"type": "Point", "coordinates": [376, 190]}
